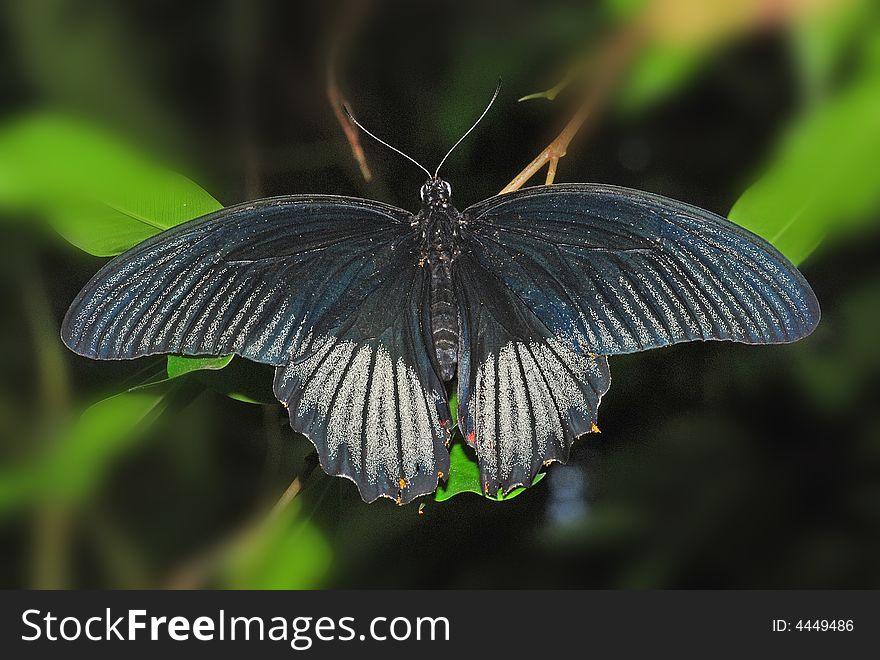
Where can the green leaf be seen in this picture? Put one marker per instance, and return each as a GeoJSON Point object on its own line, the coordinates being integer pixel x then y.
{"type": "Point", "coordinates": [103, 432]}
{"type": "Point", "coordinates": [464, 477]}
{"type": "Point", "coordinates": [624, 10]}
{"type": "Point", "coordinates": [824, 177]}
{"type": "Point", "coordinates": [242, 380]}
{"type": "Point", "coordinates": [464, 473]}
{"type": "Point", "coordinates": [179, 365]}
{"type": "Point", "coordinates": [99, 193]}
{"type": "Point", "coordinates": [453, 404]}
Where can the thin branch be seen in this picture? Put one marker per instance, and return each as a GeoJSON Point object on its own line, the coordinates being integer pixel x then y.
{"type": "Point", "coordinates": [293, 490]}
{"type": "Point", "coordinates": [351, 14]}
{"type": "Point", "coordinates": [612, 59]}
{"type": "Point", "coordinates": [53, 520]}
{"type": "Point", "coordinates": [197, 572]}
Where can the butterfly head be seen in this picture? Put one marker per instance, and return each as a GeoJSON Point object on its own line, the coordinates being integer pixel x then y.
{"type": "Point", "coordinates": [436, 193]}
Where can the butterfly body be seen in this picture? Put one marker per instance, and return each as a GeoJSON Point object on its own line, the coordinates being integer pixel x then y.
{"type": "Point", "coordinates": [440, 223]}
{"type": "Point", "coordinates": [367, 310]}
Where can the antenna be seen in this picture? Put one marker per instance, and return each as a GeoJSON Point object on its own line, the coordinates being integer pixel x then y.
{"type": "Point", "coordinates": [468, 132]}
{"type": "Point", "coordinates": [354, 121]}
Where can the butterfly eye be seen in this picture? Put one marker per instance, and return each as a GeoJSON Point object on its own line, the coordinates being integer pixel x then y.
{"type": "Point", "coordinates": [434, 190]}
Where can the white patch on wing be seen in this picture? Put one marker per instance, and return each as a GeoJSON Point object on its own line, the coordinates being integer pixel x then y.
{"type": "Point", "coordinates": [525, 400]}
{"type": "Point", "coordinates": [366, 403]}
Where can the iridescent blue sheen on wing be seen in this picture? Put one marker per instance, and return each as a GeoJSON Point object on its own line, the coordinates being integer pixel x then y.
{"type": "Point", "coordinates": [328, 290]}
{"type": "Point", "coordinates": [611, 270]}
{"type": "Point", "coordinates": [255, 279]}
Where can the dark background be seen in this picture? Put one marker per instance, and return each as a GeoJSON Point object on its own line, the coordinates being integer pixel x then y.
{"type": "Point", "coordinates": [718, 465]}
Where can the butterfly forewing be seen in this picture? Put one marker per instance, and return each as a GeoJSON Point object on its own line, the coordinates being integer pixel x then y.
{"type": "Point", "coordinates": [610, 270]}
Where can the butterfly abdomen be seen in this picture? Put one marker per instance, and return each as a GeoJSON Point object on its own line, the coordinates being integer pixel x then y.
{"type": "Point", "coordinates": [444, 319]}
{"type": "Point", "coordinates": [438, 221]}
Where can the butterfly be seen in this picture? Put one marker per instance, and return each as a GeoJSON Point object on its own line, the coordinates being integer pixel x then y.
{"type": "Point", "coordinates": [368, 311]}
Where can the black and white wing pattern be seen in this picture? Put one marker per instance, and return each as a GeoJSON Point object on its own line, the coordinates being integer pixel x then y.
{"type": "Point", "coordinates": [611, 270]}
{"type": "Point", "coordinates": [524, 395]}
{"type": "Point", "coordinates": [554, 278]}
{"type": "Point", "coordinates": [300, 283]}
{"type": "Point", "coordinates": [370, 391]}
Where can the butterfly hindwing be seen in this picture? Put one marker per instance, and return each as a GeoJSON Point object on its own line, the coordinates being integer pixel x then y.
{"type": "Point", "coordinates": [369, 398]}
{"type": "Point", "coordinates": [612, 270]}
{"type": "Point", "coordinates": [524, 395]}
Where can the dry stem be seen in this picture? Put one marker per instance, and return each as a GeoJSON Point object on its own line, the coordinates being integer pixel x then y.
{"type": "Point", "coordinates": [612, 58]}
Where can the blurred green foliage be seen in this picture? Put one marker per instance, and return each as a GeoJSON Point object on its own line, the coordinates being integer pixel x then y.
{"type": "Point", "coordinates": [823, 178]}
{"type": "Point", "coordinates": [81, 455]}
{"type": "Point", "coordinates": [705, 449]}
{"type": "Point", "coordinates": [98, 193]}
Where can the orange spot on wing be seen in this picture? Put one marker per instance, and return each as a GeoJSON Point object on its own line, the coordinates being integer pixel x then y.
{"type": "Point", "coordinates": [594, 429]}
{"type": "Point", "coordinates": [402, 483]}
{"type": "Point", "coordinates": [471, 437]}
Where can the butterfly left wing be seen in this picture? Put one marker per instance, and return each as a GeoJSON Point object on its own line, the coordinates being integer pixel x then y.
{"type": "Point", "coordinates": [611, 270]}
{"type": "Point", "coordinates": [524, 395]}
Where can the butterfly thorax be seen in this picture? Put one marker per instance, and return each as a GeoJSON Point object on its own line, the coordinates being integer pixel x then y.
{"type": "Point", "coordinates": [439, 222]}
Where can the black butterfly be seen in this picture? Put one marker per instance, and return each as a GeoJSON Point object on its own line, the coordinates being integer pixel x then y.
{"type": "Point", "coordinates": [366, 310]}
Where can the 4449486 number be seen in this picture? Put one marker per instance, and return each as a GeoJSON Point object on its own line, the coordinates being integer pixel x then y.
{"type": "Point", "coordinates": [824, 624]}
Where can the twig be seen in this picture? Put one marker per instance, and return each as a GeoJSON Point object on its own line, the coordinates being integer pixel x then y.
{"type": "Point", "coordinates": [613, 57]}
{"type": "Point", "coordinates": [349, 17]}
{"type": "Point", "coordinates": [552, 152]}
{"type": "Point", "coordinates": [294, 489]}
{"type": "Point", "coordinates": [53, 519]}
{"type": "Point", "coordinates": [196, 573]}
